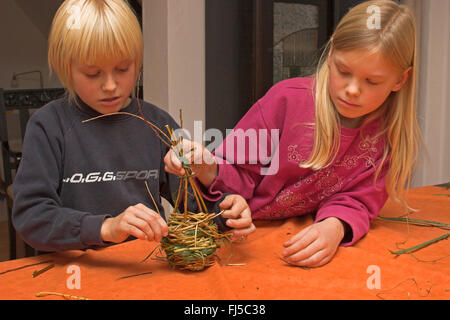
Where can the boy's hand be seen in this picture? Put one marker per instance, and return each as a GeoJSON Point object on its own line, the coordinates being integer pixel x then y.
{"type": "Point", "coordinates": [138, 221]}
{"type": "Point", "coordinates": [315, 245]}
{"type": "Point", "coordinates": [200, 160]}
{"type": "Point", "coordinates": [239, 216]}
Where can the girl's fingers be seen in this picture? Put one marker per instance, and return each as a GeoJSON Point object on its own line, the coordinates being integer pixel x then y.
{"type": "Point", "coordinates": [227, 202]}
{"type": "Point", "coordinates": [175, 164]}
{"type": "Point", "coordinates": [323, 262]}
{"type": "Point", "coordinates": [239, 233]}
{"type": "Point", "coordinates": [237, 207]}
{"type": "Point", "coordinates": [314, 259]}
{"type": "Point", "coordinates": [299, 242]}
{"type": "Point", "coordinates": [172, 164]}
{"type": "Point", "coordinates": [297, 253]}
{"type": "Point", "coordinates": [243, 221]}
{"type": "Point", "coordinates": [238, 214]}
{"type": "Point", "coordinates": [193, 153]}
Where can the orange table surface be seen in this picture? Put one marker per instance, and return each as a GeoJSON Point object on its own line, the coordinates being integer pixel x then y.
{"type": "Point", "coordinates": [252, 269]}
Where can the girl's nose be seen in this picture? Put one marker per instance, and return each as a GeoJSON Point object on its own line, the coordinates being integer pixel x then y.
{"type": "Point", "coordinates": [109, 84]}
{"type": "Point", "coordinates": [353, 89]}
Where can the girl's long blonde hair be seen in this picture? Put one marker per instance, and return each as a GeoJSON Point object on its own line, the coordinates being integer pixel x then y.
{"type": "Point", "coordinates": [396, 40]}
{"type": "Point", "coordinates": [93, 32]}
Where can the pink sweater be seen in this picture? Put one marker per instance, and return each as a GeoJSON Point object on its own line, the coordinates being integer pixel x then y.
{"type": "Point", "coordinates": [344, 190]}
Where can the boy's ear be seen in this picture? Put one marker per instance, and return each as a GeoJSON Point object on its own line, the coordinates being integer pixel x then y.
{"type": "Point", "coordinates": [404, 78]}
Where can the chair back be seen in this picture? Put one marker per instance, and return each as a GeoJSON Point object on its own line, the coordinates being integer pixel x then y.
{"type": "Point", "coordinates": [16, 107]}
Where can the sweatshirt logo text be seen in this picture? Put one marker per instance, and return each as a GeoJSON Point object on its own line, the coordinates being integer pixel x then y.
{"type": "Point", "coordinates": [94, 177]}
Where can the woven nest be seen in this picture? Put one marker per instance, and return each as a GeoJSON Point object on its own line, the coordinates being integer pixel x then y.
{"type": "Point", "coordinates": [192, 238]}
{"type": "Point", "coordinates": [192, 243]}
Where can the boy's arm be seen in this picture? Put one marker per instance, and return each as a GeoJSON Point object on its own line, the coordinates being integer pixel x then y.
{"type": "Point", "coordinates": [38, 214]}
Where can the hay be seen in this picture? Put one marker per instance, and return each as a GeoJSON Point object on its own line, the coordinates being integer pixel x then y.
{"type": "Point", "coordinates": [191, 244]}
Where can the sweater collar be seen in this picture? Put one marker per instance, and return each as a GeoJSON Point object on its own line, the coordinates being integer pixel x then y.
{"type": "Point", "coordinates": [86, 110]}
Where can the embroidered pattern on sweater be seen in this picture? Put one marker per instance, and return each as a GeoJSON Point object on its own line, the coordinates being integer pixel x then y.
{"type": "Point", "coordinates": [296, 200]}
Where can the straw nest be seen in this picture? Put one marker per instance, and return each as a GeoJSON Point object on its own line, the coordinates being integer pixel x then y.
{"type": "Point", "coordinates": [191, 244]}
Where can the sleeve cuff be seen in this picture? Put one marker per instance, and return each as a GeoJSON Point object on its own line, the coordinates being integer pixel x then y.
{"type": "Point", "coordinates": [217, 186]}
{"type": "Point", "coordinates": [90, 230]}
{"type": "Point", "coordinates": [354, 231]}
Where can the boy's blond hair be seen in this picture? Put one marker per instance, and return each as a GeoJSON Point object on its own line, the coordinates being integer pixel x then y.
{"type": "Point", "coordinates": [93, 32]}
{"type": "Point", "coordinates": [396, 40]}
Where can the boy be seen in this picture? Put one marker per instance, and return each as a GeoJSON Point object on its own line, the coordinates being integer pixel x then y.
{"type": "Point", "coordinates": [81, 185]}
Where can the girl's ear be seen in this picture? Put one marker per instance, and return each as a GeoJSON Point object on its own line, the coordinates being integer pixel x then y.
{"type": "Point", "coordinates": [404, 78]}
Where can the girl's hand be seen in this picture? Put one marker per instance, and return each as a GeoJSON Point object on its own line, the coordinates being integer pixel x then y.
{"type": "Point", "coordinates": [138, 221]}
{"type": "Point", "coordinates": [200, 160]}
{"type": "Point", "coordinates": [239, 216]}
{"type": "Point", "coordinates": [315, 245]}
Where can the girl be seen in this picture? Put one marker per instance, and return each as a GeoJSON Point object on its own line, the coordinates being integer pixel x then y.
{"type": "Point", "coordinates": [81, 185]}
{"type": "Point", "coordinates": [348, 137]}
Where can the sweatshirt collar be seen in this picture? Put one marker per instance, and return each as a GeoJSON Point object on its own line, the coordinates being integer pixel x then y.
{"type": "Point", "coordinates": [86, 110]}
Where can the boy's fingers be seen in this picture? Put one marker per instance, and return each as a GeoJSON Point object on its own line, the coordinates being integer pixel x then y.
{"type": "Point", "coordinates": [136, 232]}
{"type": "Point", "coordinates": [137, 227]}
{"type": "Point", "coordinates": [154, 222]}
{"type": "Point", "coordinates": [146, 225]}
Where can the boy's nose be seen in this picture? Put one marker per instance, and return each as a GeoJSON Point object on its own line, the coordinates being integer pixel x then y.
{"type": "Point", "coordinates": [109, 84]}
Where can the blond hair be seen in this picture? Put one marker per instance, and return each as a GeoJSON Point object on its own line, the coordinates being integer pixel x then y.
{"type": "Point", "coordinates": [396, 40]}
{"type": "Point", "coordinates": [93, 32]}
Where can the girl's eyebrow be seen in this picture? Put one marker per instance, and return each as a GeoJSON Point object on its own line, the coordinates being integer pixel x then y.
{"type": "Point", "coordinates": [342, 64]}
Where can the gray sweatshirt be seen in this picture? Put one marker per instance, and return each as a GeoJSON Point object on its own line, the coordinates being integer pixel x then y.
{"type": "Point", "coordinates": [73, 175]}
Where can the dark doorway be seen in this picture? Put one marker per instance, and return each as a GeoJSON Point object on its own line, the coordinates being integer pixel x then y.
{"type": "Point", "coordinates": [253, 44]}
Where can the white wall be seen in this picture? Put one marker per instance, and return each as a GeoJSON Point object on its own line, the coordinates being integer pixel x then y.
{"type": "Point", "coordinates": [434, 93]}
{"type": "Point", "coordinates": [174, 59]}
{"type": "Point", "coordinates": [23, 48]}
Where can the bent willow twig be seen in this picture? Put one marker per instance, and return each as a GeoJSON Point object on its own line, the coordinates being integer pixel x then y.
{"type": "Point", "coordinates": [421, 246]}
